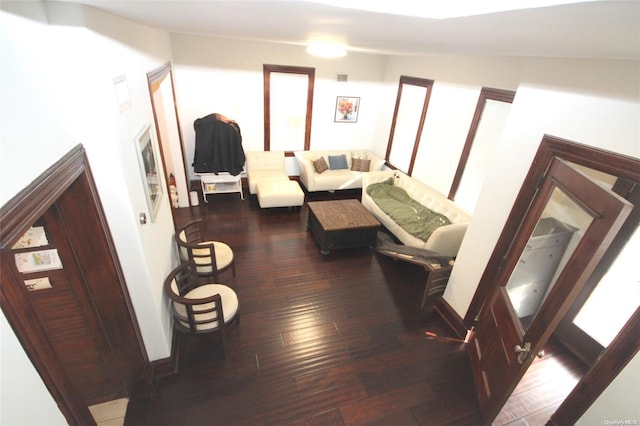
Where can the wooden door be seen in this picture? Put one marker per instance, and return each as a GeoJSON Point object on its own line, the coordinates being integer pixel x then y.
{"type": "Point", "coordinates": [509, 332]}
{"type": "Point", "coordinates": [75, 321]}
{"type": "Point", "coordinates": [64, 308]}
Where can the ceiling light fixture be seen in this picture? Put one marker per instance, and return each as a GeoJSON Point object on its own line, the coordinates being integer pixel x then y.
{"type": "Point", "coordinates": [326, 50]}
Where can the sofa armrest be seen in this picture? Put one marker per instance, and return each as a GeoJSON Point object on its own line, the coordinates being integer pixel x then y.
{"type": "Point", "coordinates": [446, 240]}
{"type": "Point", "coordinates": [376, 164]}
{"type": "Point", "coordinates": [370, 178]}
{"type": "Point", "coordinates": [306, 169]}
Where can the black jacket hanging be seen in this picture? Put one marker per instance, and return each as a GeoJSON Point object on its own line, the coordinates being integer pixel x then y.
{"type": "Point", "coordinates": [218, 145]}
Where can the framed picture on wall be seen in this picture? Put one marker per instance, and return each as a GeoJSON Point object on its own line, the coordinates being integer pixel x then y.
{"type": "Point", "coordinates": [347, 109]}
{"type": "Point", "coordinates": [148, 162]}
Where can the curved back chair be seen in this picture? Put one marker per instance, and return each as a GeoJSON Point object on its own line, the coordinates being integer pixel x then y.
{"type": "Point", "coordinates": [211, 257]}
{"type": "Point", "coordinates": [200, 308]}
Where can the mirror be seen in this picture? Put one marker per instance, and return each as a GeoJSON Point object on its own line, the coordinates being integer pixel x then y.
{"type": "Point", "coordinates": [561, 226]}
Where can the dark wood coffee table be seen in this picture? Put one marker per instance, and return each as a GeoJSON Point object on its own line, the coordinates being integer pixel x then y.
{"type": "Point", "coordinates": [341, 224]}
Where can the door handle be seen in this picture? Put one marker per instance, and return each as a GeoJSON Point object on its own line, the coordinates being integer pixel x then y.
{"type": "Point", "coordinates": [522, 351]}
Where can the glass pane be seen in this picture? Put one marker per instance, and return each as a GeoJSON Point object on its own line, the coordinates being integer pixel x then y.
{"type": "Point", "coordinates": [616, 297]}
{"type": "Point", "coordinates": [485, 143]}
{"type": "Point", "coordinates": [555, 237]}
{"type": "Point", "coordinates": [288, 104]}
{"type": "Point", "coordinates": [407, 122]}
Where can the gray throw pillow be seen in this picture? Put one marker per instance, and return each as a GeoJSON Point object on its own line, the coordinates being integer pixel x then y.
{"type": "Point", "coordinates": [337, 162]}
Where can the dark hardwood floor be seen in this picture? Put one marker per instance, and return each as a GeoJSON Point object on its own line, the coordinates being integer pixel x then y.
{"type": "Point", "coordinates": [544, 386]}
{"type": "Point", "coordinates": [322, 339]}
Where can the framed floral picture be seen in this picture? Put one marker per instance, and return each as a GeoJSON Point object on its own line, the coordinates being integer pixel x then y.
{"type": "Point", "coordinates": [347, 109]}
{"type": "Point", "coordinates": [149, 169]}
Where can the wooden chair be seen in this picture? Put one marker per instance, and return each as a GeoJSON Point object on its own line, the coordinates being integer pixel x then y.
{"type": "Point", "coordinates": [211, 257]}
{"type": "Point", "coordinates": [200, 308]}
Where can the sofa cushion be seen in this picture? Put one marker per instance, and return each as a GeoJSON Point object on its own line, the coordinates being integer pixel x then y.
{"type": "Point", "coordinates": [320, 165]}
{"type": "Point", "coordinates": [338, 179]}
{"type": "Point", "coordinates": [414, 217]}
{"type": "Point", "coordinates": [338, 162]}
{"type": "Point", "coordinates": [360, 164]}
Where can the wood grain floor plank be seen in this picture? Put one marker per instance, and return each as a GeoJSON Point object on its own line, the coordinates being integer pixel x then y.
{"type": "Point", "coordinates": [381, 405]}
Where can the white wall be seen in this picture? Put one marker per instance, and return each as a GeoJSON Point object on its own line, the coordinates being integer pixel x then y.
{"type": "Point", "coordinates": [456, 87]}
{"type": "Point", "coordinates": [619, 402]}
{"type": "Point", "coordinates": [22, 389]}
{"type": "Point", "coordinates": [57, 92]}
{"type": "Point", "coordinates": [225, 76]}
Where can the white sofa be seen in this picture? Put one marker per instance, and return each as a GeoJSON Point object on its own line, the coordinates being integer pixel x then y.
{"type": "Point", "coordinates": [446, 239]}
{"type": "Point", "coordinates": [332, 180]}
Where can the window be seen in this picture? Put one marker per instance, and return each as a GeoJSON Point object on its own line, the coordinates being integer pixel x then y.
{"type": "Point", "coordinates": [480, 147]}
{"type": "Point", "coordinates": [408, 119]}
{"type": "Point", "coordinates": [288, 100]}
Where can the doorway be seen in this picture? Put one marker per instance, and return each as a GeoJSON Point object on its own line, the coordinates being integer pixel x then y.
{"type": "Point", "coordinates": [64, 294]}
{"type": "Point", "coordinates": [165, 113]}
{"type": "Point", "coordinates": [535, 320]}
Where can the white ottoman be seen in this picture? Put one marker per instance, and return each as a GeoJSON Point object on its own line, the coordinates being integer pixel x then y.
{"type": "Point", "coordinates": [279, 193]}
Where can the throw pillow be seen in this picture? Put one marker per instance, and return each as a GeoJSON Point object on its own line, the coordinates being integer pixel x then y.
{"type": "Point", "coordinates": [360, 165]}
{"type": "Point", "coordinates": [320, 165]}
{"type": "Point", "coordinates": [337, 162]}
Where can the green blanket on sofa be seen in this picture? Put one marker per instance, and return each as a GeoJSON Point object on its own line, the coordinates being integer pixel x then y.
{"type": "Point", "coordinates": [412, 216]}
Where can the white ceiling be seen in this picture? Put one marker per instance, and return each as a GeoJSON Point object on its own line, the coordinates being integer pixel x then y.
{"type": "Point", "coordinates": [607, 29]}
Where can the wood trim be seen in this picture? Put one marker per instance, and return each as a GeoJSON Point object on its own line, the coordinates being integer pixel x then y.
{"type": "Point", "coordinates": [518, 212]}
{"type": "Point", "coordinates": [450, 316]}
{"type": "Point", "coordinates": [615, 358]}
{"type": "Point", "coordinates": [487, 93]}
{"type": "Point", "coordinates": [17, 216]}
{"type": "Point", "coordinates": [29, 204]}
{"type": "Point", "coordinates": [571, 336]}
{"type": "Point", "coordinates": [267, 69]}
{"type": "Point", "coordinates": [119, 321]}
{"type": "Point", "coordinates": [155, 77]}
{"type": "Point", "coordinates": [167, 367]}
{"type": "Point", "coordinates": [71, 172]}
{"type": "Point", "coordinates": [159, 73]}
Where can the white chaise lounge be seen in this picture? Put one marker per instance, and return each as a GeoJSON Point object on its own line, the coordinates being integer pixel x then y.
{"type": "Point", "coordinates": [268, 180]}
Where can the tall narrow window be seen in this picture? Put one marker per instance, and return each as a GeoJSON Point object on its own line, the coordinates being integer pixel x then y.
{"type": "Point", "coordinates": [288, 101]}
{"type": "Point", "coordinates": [408, 119]}
{"type": "Point", "coordinates": [492, 111]}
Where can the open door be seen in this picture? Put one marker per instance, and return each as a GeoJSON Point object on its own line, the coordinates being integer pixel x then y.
{"type": "Point", "coordinates": [562, 236]}
{"type": "Point", "coordinates": [165, 113]}
{"type": "Point", "coordinates": [63, 291]}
